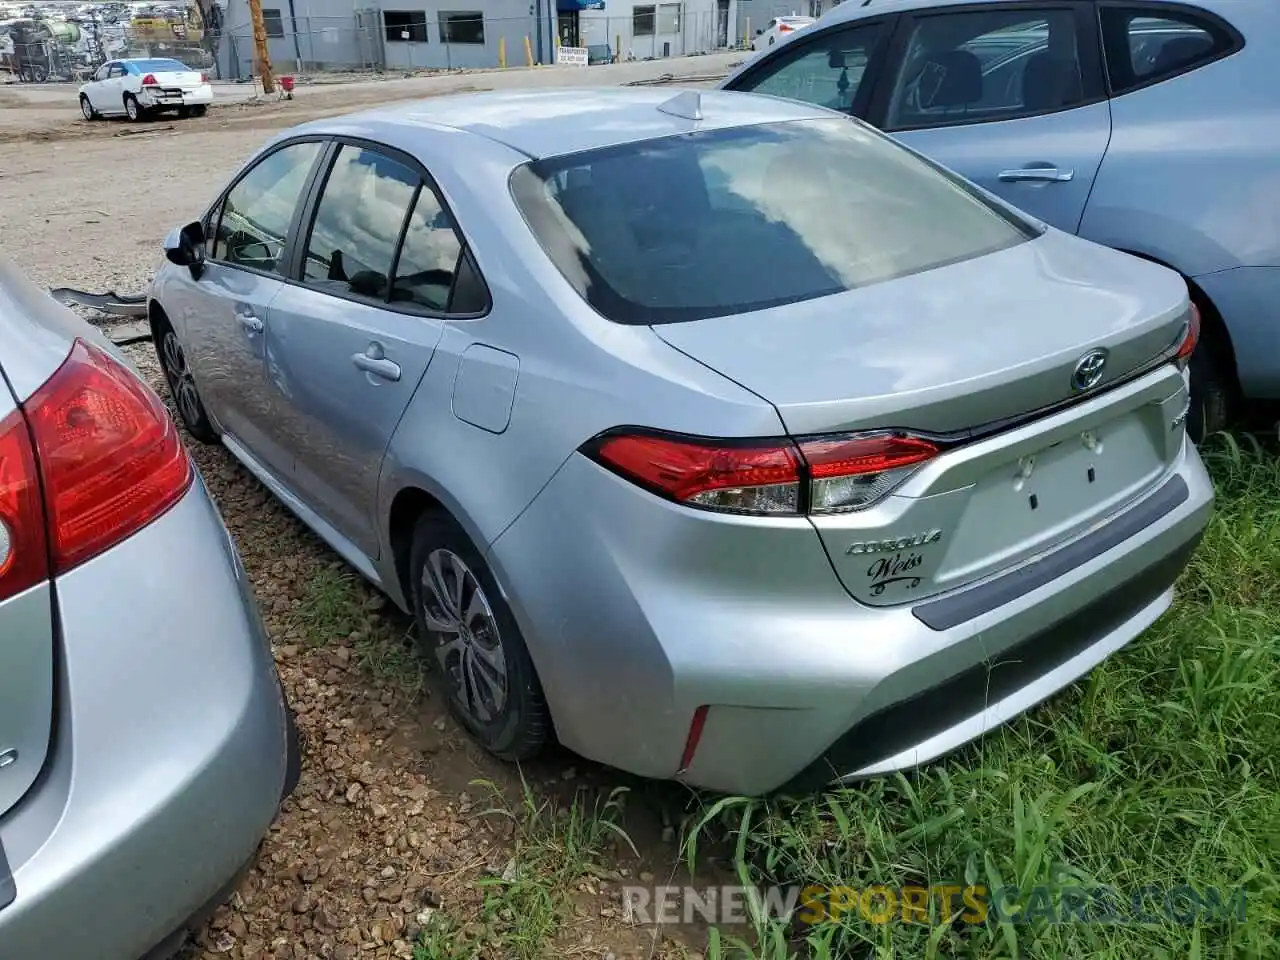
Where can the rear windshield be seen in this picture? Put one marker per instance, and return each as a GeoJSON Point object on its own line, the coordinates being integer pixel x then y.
{"type": "Point", "coordinates": [729, 221]}
{"type": "Point", "coordinates": [158, 66]}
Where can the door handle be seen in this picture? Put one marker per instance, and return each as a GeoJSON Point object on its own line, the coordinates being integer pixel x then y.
{"type": "Point", "coordinates": [377, 366]}
{"type": "Point", "coordinates": [1037, 175]}
{"type": "Point", "coordinates": [250, 322]}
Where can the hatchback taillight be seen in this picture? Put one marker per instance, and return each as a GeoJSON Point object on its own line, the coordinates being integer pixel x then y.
{"type": "Point", "coordinates": [781, 477]}
{"type": "Point", "coordinates": [24, 554]}
{"type": "Point", "coordinates": [109, 456]}
{"type": "Point", "coordinates": [1189, 341]}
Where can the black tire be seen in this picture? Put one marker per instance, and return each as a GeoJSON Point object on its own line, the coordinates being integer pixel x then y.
{"type": "Point", "coordinates": [182, 386]}
{"type": "Point", "coordinates": [86, 109]}
{"type": "Point", "coordinates": [517, 727]}
{"type": "Point", "coordinates": [1212, 398]}
{"type": "Point", "coordinates": [199, 110]}
{"type": "Point", "coordinates": [184, 112]}
{"type": "Point", "coordinates": [133, 109]}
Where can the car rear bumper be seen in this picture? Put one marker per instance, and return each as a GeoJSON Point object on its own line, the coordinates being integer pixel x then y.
{"type": "Point", "coordinates": [200, 96]}
{"type": "Point", "coordinates": [634, 623]}
{"type": "Point", "coordinates": [172, 747]}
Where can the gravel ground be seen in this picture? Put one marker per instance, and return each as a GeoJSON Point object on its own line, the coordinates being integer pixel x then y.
{"type": "Point", "coordinates": [389, 846]}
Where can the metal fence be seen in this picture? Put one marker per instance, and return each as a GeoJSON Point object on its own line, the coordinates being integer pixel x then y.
{"type": "Point", "coordinates": [404, 41]}
{"type": "Point", "coordinates": [51, 59]}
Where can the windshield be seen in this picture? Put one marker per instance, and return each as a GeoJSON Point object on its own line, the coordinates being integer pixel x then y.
{"type": "Point", "coordinates": [158, 66]}
{"type": "Point", "coordinates": [729, 221]}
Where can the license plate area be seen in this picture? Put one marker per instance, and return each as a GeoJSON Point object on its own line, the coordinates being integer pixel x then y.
{"type": "Point", "coordinates": [1025, 503]}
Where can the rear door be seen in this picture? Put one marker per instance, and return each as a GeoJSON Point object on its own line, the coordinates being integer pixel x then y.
{"type": "Point", "coordinates": [350, 340]}
{"type": "Point", "coordinates": [1009, 95]}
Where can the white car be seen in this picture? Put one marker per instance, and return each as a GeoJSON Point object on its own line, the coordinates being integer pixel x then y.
{"type": "Point", "coordinates": [136, 88]}
{"type": "Point", "coordinates": [779, 28]}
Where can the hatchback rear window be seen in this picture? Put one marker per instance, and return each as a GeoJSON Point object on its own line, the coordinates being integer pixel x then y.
{"type": "Point", "coordinates": [734, 220]}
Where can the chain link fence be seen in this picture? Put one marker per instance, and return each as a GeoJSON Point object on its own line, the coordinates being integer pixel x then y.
{"type": "Point", "coordinates": [39, 52]}
{"type": "Point", "coordinates": [411, 41]}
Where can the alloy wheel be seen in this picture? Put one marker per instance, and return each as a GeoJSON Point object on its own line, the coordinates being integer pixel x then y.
{"type": "Point", "coordinates": [180, 380]}
{"type": "Point", "coordinates": [468, 645]}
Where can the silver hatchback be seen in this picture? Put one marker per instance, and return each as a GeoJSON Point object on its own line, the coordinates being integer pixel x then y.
{"type": "Point", "coordinates": [717, 435]}
{"type": "Point", "coordinates": [145, 744]}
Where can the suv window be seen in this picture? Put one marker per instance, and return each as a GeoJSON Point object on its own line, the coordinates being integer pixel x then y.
{"type": "Point", "coordinates": [747, 218]}
{"type": "Point", "coordinates": [256, 213]}
{"type": "Point", "coordinates": [429, 257]}
{"type": "Point", "coordinates": [351, 246]}
{"type": "Point", "coordinates": [987, 65]}
{"type": "Point", "coordinates": [826, 71]}
{"type": "Point", "coordinates": [1143, 48]}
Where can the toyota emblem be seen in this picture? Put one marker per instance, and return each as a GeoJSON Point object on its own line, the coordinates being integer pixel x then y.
{"type": "Point", "coordinates": [1088, 371]}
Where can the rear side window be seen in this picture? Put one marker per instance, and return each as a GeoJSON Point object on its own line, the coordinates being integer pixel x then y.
{"type": "Point", "coordinates": [428, 258]}
{"type": "Point", "coordinates": [352, 244]}
{"type": "Point", "coordinates": [730, 221]}
{"type": "Point", "coordinates": [1145, 45]}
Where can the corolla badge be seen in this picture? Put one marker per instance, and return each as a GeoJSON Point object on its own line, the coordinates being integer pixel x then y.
{"type": "Point", "coordinates": [1089, 370]}
{"type": "Point", "coordinates": [895, 544]}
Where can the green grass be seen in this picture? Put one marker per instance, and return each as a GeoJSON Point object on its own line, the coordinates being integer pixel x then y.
{"type": "Point", "coordinates": [336, 606]}
{"type": "Point", "coordinates": [1159, 768]}
{"type": "Point", "coordinates": [527, 906]}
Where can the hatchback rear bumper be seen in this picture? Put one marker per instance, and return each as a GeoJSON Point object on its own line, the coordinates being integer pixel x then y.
{"type": "Point", "coordinates": [171, 752]}
{"type": "Point", "coordinates": [645, 611]}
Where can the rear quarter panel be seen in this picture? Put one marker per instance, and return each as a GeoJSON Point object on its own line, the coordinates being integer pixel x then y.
{"type": "Point", "coordinates": [1192, 174]}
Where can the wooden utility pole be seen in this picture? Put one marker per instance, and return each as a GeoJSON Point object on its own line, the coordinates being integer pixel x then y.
{"type": "Point", "coordinates": [260, 47]}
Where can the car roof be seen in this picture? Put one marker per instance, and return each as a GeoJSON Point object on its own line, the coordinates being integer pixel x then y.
{"type": "Point", "coordinates": [858, 9]}
{"type": "Point", "coordinates": [544, 123]}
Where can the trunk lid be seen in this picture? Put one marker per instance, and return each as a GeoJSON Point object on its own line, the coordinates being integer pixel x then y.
{"type": "Point", "coordinates": [188, 80]}
{"type": "Point", "coordinates": [26, 631]}
{"type": "Point", "coordinates": [984, 351]}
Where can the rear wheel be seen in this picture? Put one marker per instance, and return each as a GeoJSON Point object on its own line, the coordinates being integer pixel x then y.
{"type": "Point", "coordinates": [182, 386]}
{"type": "Point", "coordinates": [133, 110]}
{"type": "Point", "coordinates": [477, 654]}
{"type": "Point", "coordinates": [86, 108]}
{"type": "Point", "coordinates": [199, 110]}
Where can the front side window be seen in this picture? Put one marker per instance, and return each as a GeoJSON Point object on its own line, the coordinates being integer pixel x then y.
{"type": "Point", "coordinates": [985, 65]}
{"type": "Point", "coordinates": [102, 72]}
{"type": "Point", "coordinates": [747, 218]}
{"type": "Point", "coordinates": [1146, 45]}
{"type": "Point", "coordinates": [352, 243]}
{"type": "Point", "coordinates": [258, 210]}
{"type": "Point", "coordinates": [827, 71]}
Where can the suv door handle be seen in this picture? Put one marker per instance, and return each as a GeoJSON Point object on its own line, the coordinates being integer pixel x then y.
{"type": "Point", "coordinates": [1037, 174]}
{"type": "Point", "coordinates": [250, 322]}
{"type": "Point", "coordinates": [377, 366]}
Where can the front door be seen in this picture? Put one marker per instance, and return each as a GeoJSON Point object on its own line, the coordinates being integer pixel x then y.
{"type": "Point", "coordinates": [348, 345]}
{"type": "Point", "coordinates": [222, 317]}
{"type": "Point", "coordinates": [568, 27]}
{"type": "Point", "coordinates": [1009, 96]}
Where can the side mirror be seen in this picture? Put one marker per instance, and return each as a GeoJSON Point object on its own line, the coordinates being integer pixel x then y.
{"type": "Point", "coordinates": [759, 33]}
{"type": "Point", "coordinates": [835, 60]}
{"type": "Point", "coordinates": [185, 247]}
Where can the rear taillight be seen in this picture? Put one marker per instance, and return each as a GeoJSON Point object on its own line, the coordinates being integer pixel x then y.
{"type": "Point", "coordinates": [1189, 341]}
{"type": "Point", "coordinates": [818, 475]}
{"type": "Point", "coordinates": [849, 473]}
{"type": "Point", "coordinates": [110, 458]}
{"type": "Point", "coordinates": [784, 29]}
{"type": "Point", "coordinates": [24, 554]}
{"type": "Point", "coordinates": [149, 80]}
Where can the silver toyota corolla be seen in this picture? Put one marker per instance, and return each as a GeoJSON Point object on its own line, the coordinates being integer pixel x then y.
{"type": "Point", "coordinates": [144, 740]}
{"type": "Point", "coordinates": [716, 435]}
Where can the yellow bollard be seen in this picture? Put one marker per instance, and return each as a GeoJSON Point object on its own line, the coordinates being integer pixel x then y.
{"type": "Point", "coordinates": [502, 52]}
{"type": "Point", "coordinates": [528, 51]}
